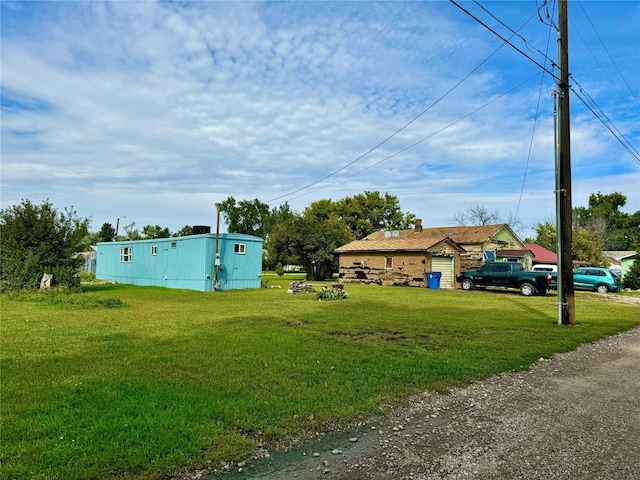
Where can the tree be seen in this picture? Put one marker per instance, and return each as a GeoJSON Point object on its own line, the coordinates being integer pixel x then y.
{"type": "Point", "coordinates": [130, 233]}
{"type": "Point", "coordinates": [155, 231]}
{"type": "Point", "coordinates": [368, 212]}
{"type": "Point", "coordinates": [315, 240]}
{"type": "Point", "coordinates": [37, 239]}
{"type": "Point", "coordinates": [587, 246]}
{"type": "Point", "coordinates": [107, 233]}
{"type": "Point", "coordinates": [309, 239]}
{"type": "Point", "coordinates": [280, 213]}
{"type": "Point", "coordinates": [620, 230]}
{"type": "Point", "coordinates": [251, 217]}
{"type": "Point", "coordinates": [631, 278]}
{"type": "Point", "coordinates": [478, 216]}
{"type": "Point", "coordinates": [184, 231]}
{"type": "Point", "coordinates": [546, 236]}
{"type": "Point", "coordinates": [281, 244]}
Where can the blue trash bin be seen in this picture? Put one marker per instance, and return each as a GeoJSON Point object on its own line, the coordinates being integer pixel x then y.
{"type": "Point", "coordinates": [433, 280]}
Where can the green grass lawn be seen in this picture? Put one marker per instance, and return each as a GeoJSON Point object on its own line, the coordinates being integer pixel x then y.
{"type": "Point", "coordinates": [124, 381]}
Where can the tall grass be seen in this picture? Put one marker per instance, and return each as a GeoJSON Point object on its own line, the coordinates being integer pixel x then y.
{"type": "Point", "coordinates": [170, 378]}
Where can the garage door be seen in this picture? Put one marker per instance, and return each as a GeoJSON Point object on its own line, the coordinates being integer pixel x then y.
{"type": "Point", "coordinates": [445, 266]}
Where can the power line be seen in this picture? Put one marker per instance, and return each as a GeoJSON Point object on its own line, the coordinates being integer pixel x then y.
{"type": "Point", "coordinates": [632, 151]}
{"type": "Point", "coordinates": [549, 18]}
{"type": "Point", "coordinates": [533, 129]}
{"type": "Point", "coordinates": [610, 58]}
{"type": "Point", "coordinates": [405, 125]}
{"type": "Point", "coordinates": [421, 140]}
{"type": "Point", "coordinates": [618, 136]}
{"type": "Point", "coordinates": [506, 40]}
{"type": "Point", "coordinates": [514, 32]}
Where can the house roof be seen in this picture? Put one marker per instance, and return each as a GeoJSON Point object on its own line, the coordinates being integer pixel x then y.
{"type": "Point", "coordinates": [400, 243]}
{"type": "Point", "coordinates": [541, 254]}
{"type": "Point", "coordinates": [514, 253]}
{"type": "Point", "coordinates": [425, 238]}
{"type": "Point", "coordinates": [462, 235]}
{"type": "Point", "coordinates": [619, 254]}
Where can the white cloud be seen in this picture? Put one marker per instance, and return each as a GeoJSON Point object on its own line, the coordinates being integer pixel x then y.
{"type": "Point", "coordinates": [157, 110]}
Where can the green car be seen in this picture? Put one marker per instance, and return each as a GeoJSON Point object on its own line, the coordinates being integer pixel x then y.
{"type": "Point", "coordinates": [600, 280]}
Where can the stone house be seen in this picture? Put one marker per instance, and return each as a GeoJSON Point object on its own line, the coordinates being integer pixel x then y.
{"type": "Point", "coordinates": [404, 257]}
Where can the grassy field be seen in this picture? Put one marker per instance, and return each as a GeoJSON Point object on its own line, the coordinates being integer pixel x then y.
{"type": "Point", "coordinates": [135, 382]}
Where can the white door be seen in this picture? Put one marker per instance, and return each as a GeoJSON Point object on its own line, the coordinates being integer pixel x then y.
{"type": "Point", "coordinates": [443, 265]}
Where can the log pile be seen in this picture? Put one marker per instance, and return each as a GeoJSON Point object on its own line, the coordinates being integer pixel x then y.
{"type": "Point", "coordinates": [300, 287]}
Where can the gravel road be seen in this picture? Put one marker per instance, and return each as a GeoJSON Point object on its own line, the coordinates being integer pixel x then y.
{"type": "Point", "coordinates": [576, 416]}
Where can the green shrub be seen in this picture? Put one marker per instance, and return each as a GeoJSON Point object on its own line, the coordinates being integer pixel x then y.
{"type": "Point", "coordinates": [331, 294]}
{"type": "Point", "coordinates": [632, 277]}
{"type": "Point", "coordinates": [87, 276]}
{"type": "Point", "coordinates": [279, 269]}
{"type": "Point", "coordinates": [37, 239]}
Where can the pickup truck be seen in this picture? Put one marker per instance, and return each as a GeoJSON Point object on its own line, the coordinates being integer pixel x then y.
{"type": "Point", "coordinates": [508, 275]}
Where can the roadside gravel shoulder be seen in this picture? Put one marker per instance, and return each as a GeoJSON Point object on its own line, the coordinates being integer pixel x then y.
{"type": "Point", "coordinates": [575, 416]}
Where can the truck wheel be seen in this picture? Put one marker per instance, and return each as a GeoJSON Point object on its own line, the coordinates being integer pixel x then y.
{"type": "Point", "coordinates": [602, 288]}
{"type": "Point", "coordinates": [527, 289]}
{"type": "Point", "coordinates": [467, 284]}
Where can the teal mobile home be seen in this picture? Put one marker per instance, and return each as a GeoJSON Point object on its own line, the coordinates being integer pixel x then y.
{"type": "Point", "coordinates": [183, 262]}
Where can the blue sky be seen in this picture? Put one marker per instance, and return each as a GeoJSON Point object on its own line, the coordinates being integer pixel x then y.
{"type": "Point", "coordinates": [158, 110]}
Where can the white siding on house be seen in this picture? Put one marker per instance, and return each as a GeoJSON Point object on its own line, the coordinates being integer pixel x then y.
{"type": "Point", "coordinates": [443, 265]}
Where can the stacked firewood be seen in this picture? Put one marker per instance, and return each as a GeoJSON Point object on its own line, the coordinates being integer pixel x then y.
{"type": "Point", "coordinates": [299, 287]}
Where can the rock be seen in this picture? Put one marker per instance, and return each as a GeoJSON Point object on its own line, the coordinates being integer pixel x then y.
{"type": "Point", "coordinates": [46, 281]}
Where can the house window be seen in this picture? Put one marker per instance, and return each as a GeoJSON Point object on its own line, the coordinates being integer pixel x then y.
{"type": "Point", "coordinates": [388, 262]}
{"type": "Point", "coordinates": [239, 248]}
{"type": "Point", "coordinates": [174, 244]}
{"type": "Point", "coordinates": [490, 256]}
{"type": "Point", "coordinates": [125, 254]}
{"type": "Point", "coordinates": [154, 249]}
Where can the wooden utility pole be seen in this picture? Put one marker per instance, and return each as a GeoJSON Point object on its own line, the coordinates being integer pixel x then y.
{"type": "Point", "coordinates": [566, 297]}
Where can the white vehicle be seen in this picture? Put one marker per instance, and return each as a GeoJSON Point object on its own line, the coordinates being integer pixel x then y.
{"type": "Point", "coordinates": [543, 267]}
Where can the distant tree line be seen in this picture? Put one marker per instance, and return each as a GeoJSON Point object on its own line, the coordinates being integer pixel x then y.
{"type": "Point", "coordinates": [600, 226]}
{"type": "Point", "coordinates": [309, 238]}
{"type": "Point", "coordinates": [38, 238]}
{"type": "Point", "coordinates": [108, 234]}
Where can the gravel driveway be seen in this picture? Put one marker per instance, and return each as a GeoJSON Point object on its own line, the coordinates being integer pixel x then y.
{"type": "Point", "coordinates": [576, 416]}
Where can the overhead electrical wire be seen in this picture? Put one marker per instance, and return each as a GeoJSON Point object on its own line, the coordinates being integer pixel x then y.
{"type": "Point", "coordinates": [406, 124]}
{"type": "Point", "coordinates": [633, 95]}
{"type": "Point", "coordinates": [512, 31]}
{"type": "Point", "coordinates": [549, 18]}
{"type": "Point", "coordinates": [533, 129]}
{"type": "Point", "coordinates": [507, 41]}
{"type": "Point", "coordinates": [601, 115]}
{"type": "Point", "coordinates": [421, 140]}
{"type": "Point", "coordinates": [594, 109]}
{"type": "Point", "coordinates": [633, 112]}
{"type": "Point", "coordinates": [632, 151]}
{"type": "Point", "coordinates": [618, 136]}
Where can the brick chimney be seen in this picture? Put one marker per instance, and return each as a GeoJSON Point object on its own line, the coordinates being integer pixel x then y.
{"type": "Point", "coordinates": [418, 225]}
